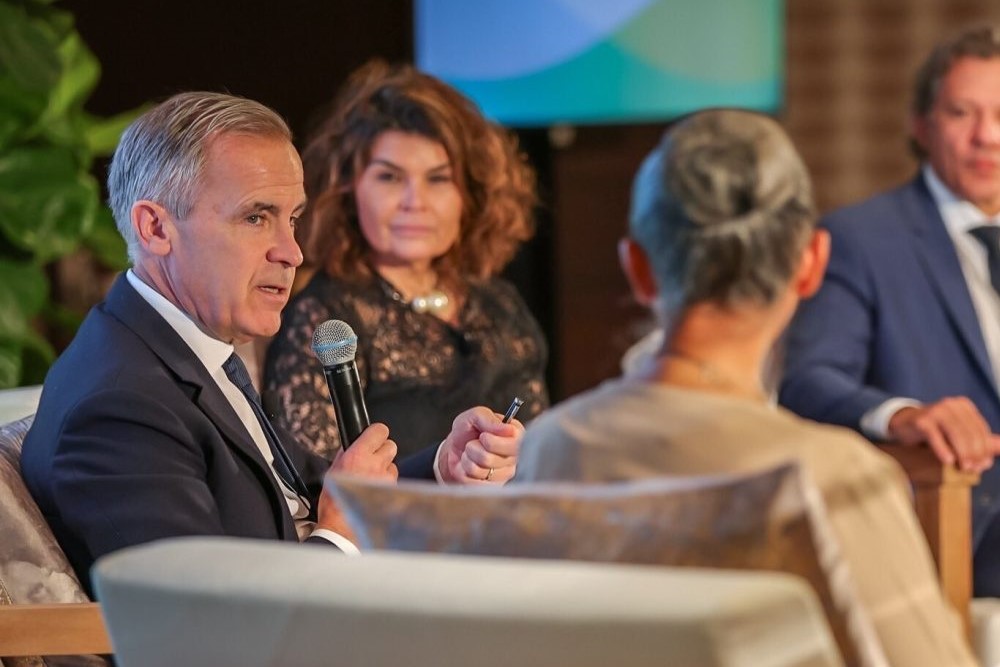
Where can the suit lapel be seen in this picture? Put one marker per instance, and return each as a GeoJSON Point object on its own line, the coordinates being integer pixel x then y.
{"type": "Point", "coordinates": [936, 251]}
{"type": "Point", "coordinates": [125, 304]}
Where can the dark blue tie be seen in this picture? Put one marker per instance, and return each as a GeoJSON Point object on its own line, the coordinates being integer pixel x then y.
{"type": "Point", "coordinates": [239, 376]}
{"type": "Point", "coordinates": [989, 236]}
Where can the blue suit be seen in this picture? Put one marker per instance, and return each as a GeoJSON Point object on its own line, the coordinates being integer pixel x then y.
{"type": "Point", "coordinates": [893, 319]}
{"type": "Point", "coordinates": [134, 441]}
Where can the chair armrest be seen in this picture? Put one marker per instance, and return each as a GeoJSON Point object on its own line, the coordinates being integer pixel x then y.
{"type": "Point", "coordinates": [942, 498]}
{"type": "Point", "coordinates": [53, 629]}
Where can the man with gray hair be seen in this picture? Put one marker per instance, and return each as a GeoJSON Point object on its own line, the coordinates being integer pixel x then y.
{"type": "Point", "coordinates": [902, 343]}
{"type": "Point", "coordinates": [722, 246]}
{"type": "Point", "coordinates": [148, 424]}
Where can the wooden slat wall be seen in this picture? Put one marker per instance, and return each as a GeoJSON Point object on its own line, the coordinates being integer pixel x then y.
{"type": "Point", "coordinates": [850, 67]}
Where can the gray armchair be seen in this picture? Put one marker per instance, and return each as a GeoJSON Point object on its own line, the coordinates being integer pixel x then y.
{"type": "Point", "coordinates": [43, 609]}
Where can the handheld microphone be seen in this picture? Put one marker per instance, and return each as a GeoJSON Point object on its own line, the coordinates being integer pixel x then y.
{"type": "Point", "coordinates": [335, 345]}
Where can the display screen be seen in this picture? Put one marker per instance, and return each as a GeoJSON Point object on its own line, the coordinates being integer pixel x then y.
{"type": "Point", "coordinates": [541, 62]}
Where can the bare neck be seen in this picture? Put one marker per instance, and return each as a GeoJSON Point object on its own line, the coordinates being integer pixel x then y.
{"type": "Point", "coordinates": [718, 350]}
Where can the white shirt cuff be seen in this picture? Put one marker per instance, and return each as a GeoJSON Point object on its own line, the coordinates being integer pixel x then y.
{"type": "Point", "coordinates": [337, 540]}
{"type": "Point", "coordinates": [875, 422]}
{"type": "Point", "coordinates": [437, 466]}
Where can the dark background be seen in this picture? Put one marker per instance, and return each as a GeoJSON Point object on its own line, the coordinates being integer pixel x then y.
{"type": "Point", "coordinates": [294, 55]}
{"type": "Point", "coordinates": [849, 64]}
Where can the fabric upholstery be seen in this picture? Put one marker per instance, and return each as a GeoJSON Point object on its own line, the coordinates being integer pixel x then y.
{"type": "Point", "coordinates": [33, 568]}
{"type": "Point", "coordinates": [18, 402]}
{"type": "Point", "coordinates": [250, 603]}
{"type": "Point", "coordinates": [766, 521]}
{"type": "Point", "coordinates": [985, 614]}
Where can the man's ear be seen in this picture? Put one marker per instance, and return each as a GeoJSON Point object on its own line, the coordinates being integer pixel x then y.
{"type": "Point", "coordinates": [812, 265]}
{"type": "Point", "coordinates": [153, 226]}
{"type": "Point", "coordinates": [636, 267]}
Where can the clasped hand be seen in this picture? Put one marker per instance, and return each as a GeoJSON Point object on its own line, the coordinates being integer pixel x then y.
{"type": "Point", "coordinates": [954, 430]}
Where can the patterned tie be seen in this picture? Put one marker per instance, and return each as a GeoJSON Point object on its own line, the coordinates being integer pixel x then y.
{"type": "Point", "coordinates": [239, 376]}
{"type": "Point", "coordinates": [989, 236]}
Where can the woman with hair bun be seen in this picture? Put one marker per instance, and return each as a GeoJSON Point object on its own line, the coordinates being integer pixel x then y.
{"type": "Point", "coordinates": [723, 246]}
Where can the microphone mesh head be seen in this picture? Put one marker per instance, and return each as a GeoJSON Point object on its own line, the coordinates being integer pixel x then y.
{"type": "Point", "coordinates": [334, 343]}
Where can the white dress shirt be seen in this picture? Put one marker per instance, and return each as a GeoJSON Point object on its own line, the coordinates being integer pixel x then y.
{"type": "Point", "coordinates": [213, 353]}
{"type": "Point", "coordinates": [959, 217]}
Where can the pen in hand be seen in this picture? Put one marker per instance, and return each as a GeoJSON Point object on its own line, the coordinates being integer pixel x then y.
{"type": "Point", "coordinates": [515, 405]}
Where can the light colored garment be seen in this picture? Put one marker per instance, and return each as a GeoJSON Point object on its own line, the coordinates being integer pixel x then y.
{"type": "Point", "coordinates": [631, 429]}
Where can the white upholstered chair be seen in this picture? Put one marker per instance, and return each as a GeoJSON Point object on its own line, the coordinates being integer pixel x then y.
{"type": "Point", "coordinates": [227, 602]}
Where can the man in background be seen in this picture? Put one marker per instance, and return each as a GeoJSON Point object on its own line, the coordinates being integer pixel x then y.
{"type": "Point", "coordinates": [902, 343]}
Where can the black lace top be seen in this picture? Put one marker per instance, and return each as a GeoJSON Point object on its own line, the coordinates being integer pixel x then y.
{"type": "Point", "coordinates": [418, 371]}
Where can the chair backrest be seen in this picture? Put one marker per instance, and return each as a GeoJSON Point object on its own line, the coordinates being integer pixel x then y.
{"type": "Point", "coordinates": [18, 402]}
{"type": "Point", "coordinates": [34, 573]}
{"type": "Point", "coordinates": [227, 602]}
{"type": "Point", "coordinates": [771, 520]}
{"type": "Point", "coordinates": [33, 568]}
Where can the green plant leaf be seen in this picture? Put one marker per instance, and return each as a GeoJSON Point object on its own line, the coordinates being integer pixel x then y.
{"type": "Point", "coordinates": [66, 130]}
{"type": "Point", "coordinates": [20, 110]}
{"type": "Point", "coordinates": [28, 50]}
{"type": "Point", "coordinates": [13, 320]}
{"type": "Point", "coordinates": [102, 134]}
{"type": "Point", "coordinates": [36, 357]}
{"type": "Point", "coordinates": [79, 74]}
{"type": "Point", "coordinates": [29, 71]}
{"type": "Point", "coordinates": [10, 364]}
{"type": "Point", "coordinates": [47, 202]}
{"type": "Point", "coordinates": [23, 291]}
{"type": "Point", "coordinates": [105, 241]}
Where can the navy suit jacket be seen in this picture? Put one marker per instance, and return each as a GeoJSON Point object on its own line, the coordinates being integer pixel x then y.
{"type": "Point", "coordinates": [133, 441]}
{"type": "Point", "coordinates": [893, 319]}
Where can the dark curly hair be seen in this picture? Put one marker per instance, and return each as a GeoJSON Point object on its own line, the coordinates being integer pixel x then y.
{"type": "Point", "coordinates": [496, 183]}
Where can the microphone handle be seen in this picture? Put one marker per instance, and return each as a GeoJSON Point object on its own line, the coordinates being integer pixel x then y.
{"type": "Point", "coordinates": [348, 401]}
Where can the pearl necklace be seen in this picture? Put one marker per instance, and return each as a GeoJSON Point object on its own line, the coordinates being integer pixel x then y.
{"type": "Point", "coordinates": [434, 302]}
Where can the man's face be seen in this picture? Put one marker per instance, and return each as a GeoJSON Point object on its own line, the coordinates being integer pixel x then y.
{"type": "Point", "coordinates": [961, 133]}
{"type": "Point", "coordinates": [232, 261]}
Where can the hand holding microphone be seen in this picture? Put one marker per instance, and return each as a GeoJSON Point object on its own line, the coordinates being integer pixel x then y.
{"type": "Point", "coordinates": [482, 446]}
{"type": "Point", "coordinates": [335, 345]}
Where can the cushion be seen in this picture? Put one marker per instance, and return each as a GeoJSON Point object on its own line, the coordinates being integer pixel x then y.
{"type": "Point", "coordinates": [771, 520]}
{"type": "Point", "coordinates": [985, 613]}
{"type": "Point", "coordinates": [33, 568]}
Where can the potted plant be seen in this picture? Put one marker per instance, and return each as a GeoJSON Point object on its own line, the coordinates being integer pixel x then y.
{"type": "Point", "coordinates": [50, 203]}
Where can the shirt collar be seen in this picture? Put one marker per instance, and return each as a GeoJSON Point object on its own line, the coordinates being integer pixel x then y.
{"type": "Point", "coordinates": [959, 215]}
{"type": "Point", "coordinates": [210, 351]}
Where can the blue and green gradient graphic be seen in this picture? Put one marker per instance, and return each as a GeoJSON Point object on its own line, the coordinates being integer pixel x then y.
{"type": "Point", "coordinates": [539, 62]}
